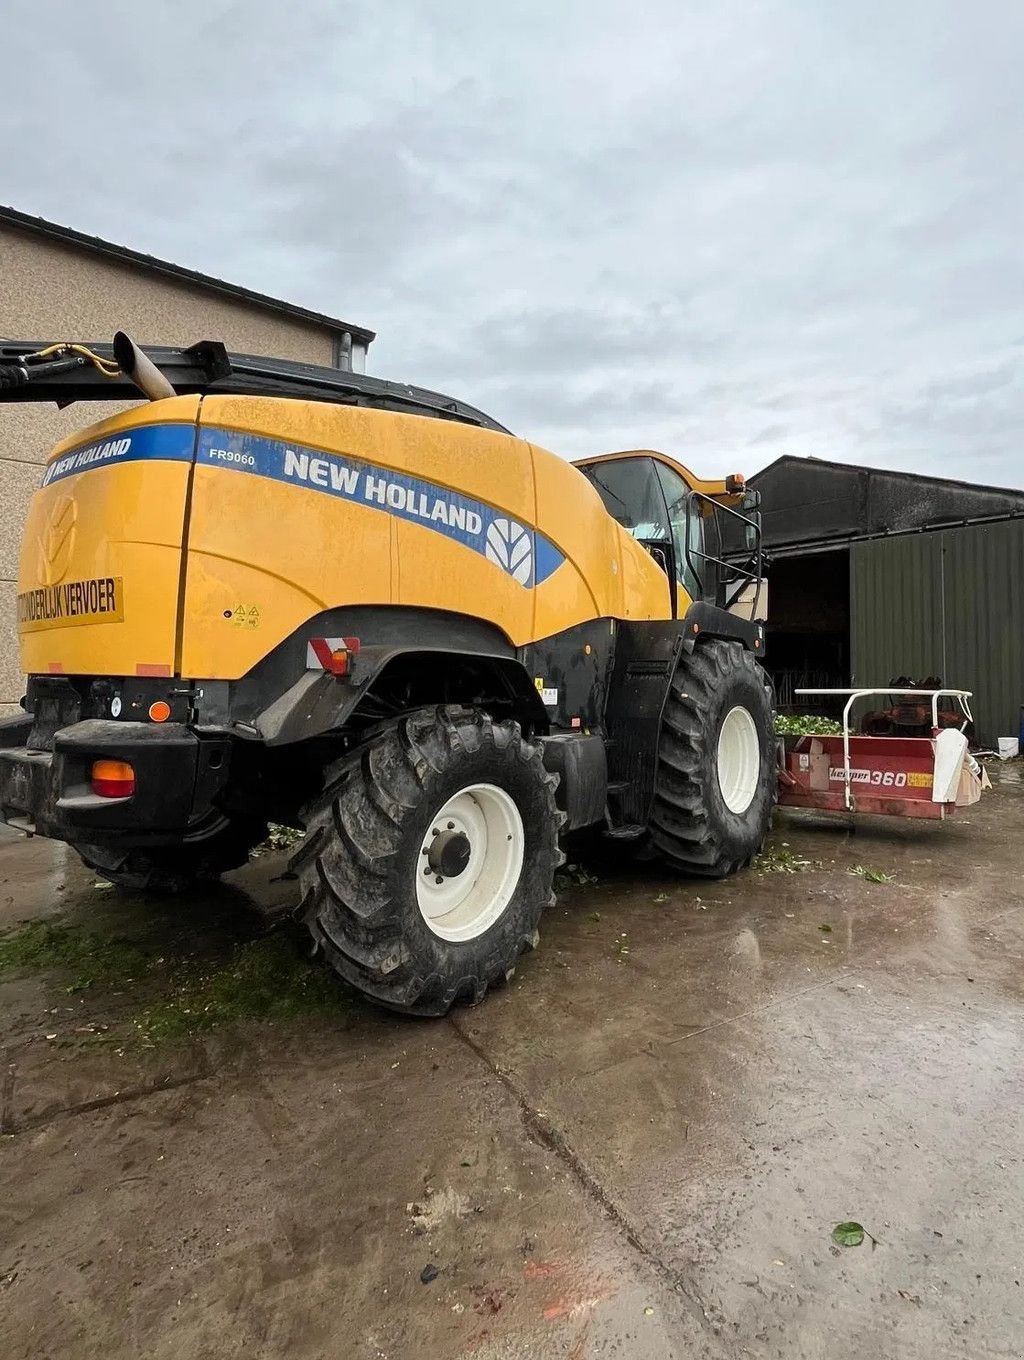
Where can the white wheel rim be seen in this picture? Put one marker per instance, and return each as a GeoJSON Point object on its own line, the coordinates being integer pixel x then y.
{"type": "Point", "coordinates": [462, 905]}
{"type": "Point", "coordinates": [739, 759]}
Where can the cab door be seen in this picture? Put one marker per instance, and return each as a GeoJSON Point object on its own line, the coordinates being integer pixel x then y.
{"type": "Point", "coordinates": [686, 525]}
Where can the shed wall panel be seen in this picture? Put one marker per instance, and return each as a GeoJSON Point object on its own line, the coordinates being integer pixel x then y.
{"type": "Point", "coordinates": [947, 603]}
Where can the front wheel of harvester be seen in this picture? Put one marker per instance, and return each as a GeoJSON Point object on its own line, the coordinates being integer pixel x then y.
{"type": "Point", "coordinates": [429, 857]}
{"type": "Point", "coordinates": [716, 781]}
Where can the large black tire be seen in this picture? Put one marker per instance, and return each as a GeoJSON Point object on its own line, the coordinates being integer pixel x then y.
{"type": "Point", "coordinates": [169, 871]}
{"type": "Point", "coordinates": [364, 848]}
{"type": "Point", "coordinates": [692, 828]}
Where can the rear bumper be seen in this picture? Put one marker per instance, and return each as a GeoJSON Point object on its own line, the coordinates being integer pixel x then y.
{"type": "Point", "coordinates": [49, 792]}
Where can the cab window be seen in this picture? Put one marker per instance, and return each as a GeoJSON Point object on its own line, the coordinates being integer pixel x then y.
{"type": "Point", "coordinates": [632, 495]}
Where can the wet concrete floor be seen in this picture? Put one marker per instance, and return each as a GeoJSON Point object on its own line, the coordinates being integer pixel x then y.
{"type": "Point", "coordinates": [637, 1149]}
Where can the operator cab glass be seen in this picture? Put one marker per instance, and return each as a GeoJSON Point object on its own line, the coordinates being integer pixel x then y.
{"type": "Point", "coordinates": [632, 495]}
{"type": "Point", "coordinates": [654, 504]}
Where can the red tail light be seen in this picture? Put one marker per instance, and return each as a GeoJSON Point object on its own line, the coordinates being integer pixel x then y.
{"type": "Point", "coordinates": [112, 779]}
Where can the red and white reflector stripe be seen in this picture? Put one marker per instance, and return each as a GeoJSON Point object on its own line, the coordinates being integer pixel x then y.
{"type": "Point", "coordinates": [331, 654]}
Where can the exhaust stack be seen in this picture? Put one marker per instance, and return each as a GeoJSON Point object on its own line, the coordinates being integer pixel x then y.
{"type": "Point", "coordinates": [142, 371]}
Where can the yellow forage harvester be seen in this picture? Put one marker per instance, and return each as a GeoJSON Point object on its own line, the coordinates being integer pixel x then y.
{"type": "Point", "coordinates": [276, 593]}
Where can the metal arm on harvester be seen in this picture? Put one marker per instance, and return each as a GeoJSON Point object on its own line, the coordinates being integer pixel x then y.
{"type": "Point", "coordinates": [68, 371]}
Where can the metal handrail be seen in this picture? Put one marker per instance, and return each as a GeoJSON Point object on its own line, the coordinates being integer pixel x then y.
{"type": "Point", "coordinates": [733, 568]}
{"type": "Point", "coordinates": [854, 694]}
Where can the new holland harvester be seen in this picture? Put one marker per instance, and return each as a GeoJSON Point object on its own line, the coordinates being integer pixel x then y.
{"type": "Point", "coordinates": [278, 593]}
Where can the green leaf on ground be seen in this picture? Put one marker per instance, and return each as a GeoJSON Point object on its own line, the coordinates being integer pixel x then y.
{"type": "Point", "coordinates": [779, 859]}
{"type": "Point", "coordinates": [825, 930]}
{"type": "Point", "coordinates": [848, 1234]}
{"type": "Point", "coordinates": [278, 838]}
{"type": "Point", "coordinates": [573, 876]}
{"type": "Point", "coordinates": [872, 875]}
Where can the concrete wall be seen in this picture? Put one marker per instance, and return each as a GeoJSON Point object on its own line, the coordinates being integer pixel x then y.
{"type": "Point", "coordinates": [51, 291]}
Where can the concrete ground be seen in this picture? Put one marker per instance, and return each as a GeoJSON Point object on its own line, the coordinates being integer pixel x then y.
{"type": "Point", "coordinates": [638, 1149]}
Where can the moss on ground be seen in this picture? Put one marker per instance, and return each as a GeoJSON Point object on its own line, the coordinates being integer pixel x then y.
{"type": "Point", "coordinates": [269, 978]}
{"type": "Point", "coordinates": [265, 979]}
{"type": "Point", "coordinates": [90, 958]}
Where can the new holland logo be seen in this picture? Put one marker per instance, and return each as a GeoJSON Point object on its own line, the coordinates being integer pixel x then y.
{"type": "Point", "coordinates": [509, 547]}
{"type": "Point", "coordinates": [56, 543]}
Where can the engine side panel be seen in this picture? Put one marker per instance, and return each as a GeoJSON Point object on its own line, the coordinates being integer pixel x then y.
{"type": "Point", "coordinates": [298, 507]}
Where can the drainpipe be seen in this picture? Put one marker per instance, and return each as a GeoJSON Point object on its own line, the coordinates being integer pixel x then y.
{"type": "Point", "coordinates": [343, 351]}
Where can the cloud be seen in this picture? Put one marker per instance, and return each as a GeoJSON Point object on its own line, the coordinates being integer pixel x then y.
{"type": "Point", "coordinates": [732, 231]}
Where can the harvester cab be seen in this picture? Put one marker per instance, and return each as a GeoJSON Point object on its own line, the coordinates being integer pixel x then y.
{"type": "Point", "coordinates": [274, 592]}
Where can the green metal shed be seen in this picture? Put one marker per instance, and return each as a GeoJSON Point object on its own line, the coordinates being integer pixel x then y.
{"type": "Point", "coordinates": [950, 603]}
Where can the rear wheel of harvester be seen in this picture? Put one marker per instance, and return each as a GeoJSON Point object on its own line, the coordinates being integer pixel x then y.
{"type": "Point", "coordinates": [169, 871]}
{"type": "Point", "coordinates": [716, 781]}
{"type": "Point", "coordinates": [429, 857]}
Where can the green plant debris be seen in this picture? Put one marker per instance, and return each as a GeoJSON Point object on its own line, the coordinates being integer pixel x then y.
{"type": "Point", "coordinates": [804, 725]}
{"type": "Point", "coordinates": [278, 838]}
{"type": "Point", "coordinates": [848, 1234]}
{"type": "Point", "coordinates": [90, 958]}
{"type": "Point", "coordinates": [779, 859]}
{"type": "Point", "coordinates": [872, 875]}
{"type": "Point", "coordinates": [266, 979]}
{"type": "Point", "coordinates": [572, 876]}
{"type": "Point", "coordinates": [825, 930]}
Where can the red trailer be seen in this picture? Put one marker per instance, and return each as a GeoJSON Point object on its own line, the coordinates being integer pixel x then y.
{"type": "Point", "coordinates": [886, 776]}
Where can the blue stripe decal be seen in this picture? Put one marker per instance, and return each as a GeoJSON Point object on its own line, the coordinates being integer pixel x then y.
{"type": "Point", "coordinates": [517, 549]}
{"type": "Point", "coordinates": [169, 442]}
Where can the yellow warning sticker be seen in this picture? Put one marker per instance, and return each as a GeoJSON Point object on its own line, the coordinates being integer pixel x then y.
{"type": "Point", "coordinates": [98, 600]}
{"type": "Point", "coordinates": [919, 779]}
{"type": "Point", "coordinates": [245, 616]}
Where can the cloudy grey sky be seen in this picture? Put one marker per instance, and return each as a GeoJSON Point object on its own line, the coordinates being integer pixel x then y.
{"type": "Point", "coordinates": [727, 228]}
